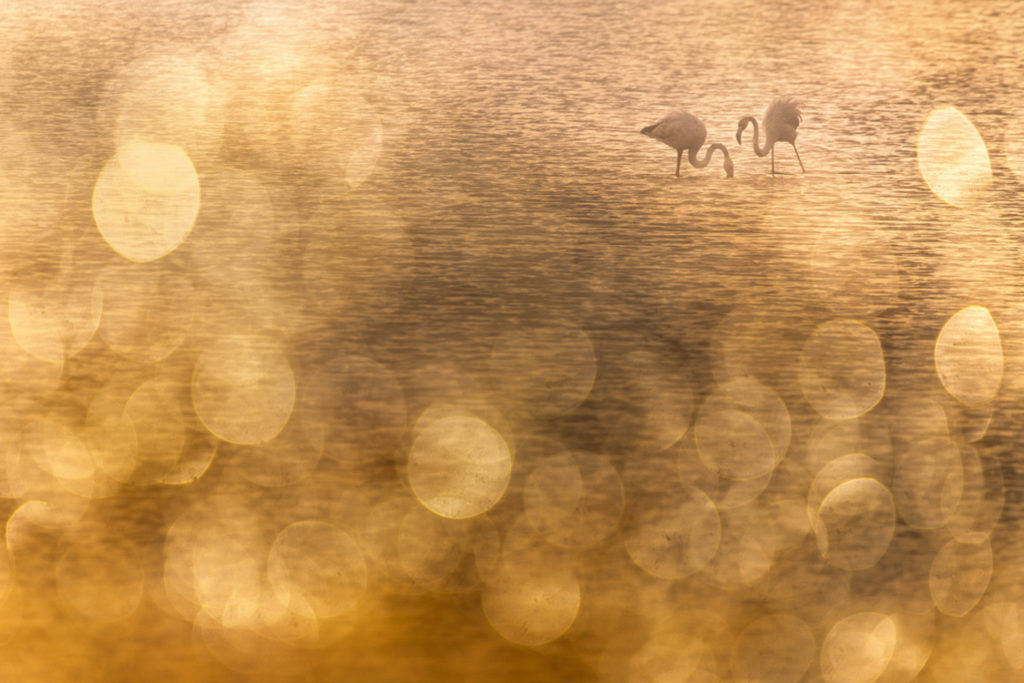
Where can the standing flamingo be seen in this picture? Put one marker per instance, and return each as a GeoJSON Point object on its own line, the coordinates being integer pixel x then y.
{"type": "Point", "coordinates": [684, 131]}
{"type": "Point", "coordinates": [781, 119]}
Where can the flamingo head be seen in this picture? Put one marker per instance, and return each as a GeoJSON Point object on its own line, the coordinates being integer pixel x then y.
{"type": "Point", "coordinates": [739, 131]}
{"type": "Point", "coordinates": [728, 166]}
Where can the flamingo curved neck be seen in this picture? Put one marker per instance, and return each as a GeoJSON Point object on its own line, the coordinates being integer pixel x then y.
{"type": "Point", "coordinates": [760, 151]}
{"type": "Point", "coordinates": [701, 163]}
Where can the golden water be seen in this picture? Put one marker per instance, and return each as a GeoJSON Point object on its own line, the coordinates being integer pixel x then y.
{"type": "Point", "coordinates": [372, 341]}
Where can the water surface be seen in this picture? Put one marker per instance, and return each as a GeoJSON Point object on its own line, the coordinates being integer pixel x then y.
{"type": "Point", "coordinates": [442, 373]}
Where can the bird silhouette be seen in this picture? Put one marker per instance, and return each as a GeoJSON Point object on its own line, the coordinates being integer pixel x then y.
{"type": "Point", "coordinates": [781, 119]}
{"type": "Point", "coordinates": [683, 131]}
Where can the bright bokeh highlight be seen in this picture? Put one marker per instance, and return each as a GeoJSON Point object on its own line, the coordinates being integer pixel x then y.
{"type": "Point", "coordinates": [459, 466]}
{"type": "Point", "coordinates": [952, 157]}
{"type": "Point", "coordinates": [969, 356]}
{"type": "Point", "coordinates": [243, 389]}
{"type": "Point", "coordinates": [146, 200]}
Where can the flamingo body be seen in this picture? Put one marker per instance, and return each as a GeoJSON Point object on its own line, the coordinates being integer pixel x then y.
{"type": "Point", "coordinates": [684, 132]}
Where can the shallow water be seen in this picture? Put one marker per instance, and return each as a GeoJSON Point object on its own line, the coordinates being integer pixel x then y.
{"type": "Point", "coordinates": [373, 341]}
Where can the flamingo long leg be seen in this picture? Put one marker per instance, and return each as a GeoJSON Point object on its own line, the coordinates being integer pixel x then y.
{"type": "Point", "coordinates": [679, 158]}
{"type": "Point", "coordinates": [773, 159]}
{"type": "Point", "coordinates": [798, 158]}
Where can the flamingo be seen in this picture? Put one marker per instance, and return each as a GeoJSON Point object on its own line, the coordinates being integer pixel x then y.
{"type": "Point", "coordinates": [682, 130]}
{"type": "Point", "coordinates": [781, 119]}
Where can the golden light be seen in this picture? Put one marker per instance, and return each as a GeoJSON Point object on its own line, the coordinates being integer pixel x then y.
{"type": "Point", "coordinates": [485, 544]}
{"type": "Point", "coordinates": [198, 455]}
{"type": "Point", "coordinates": [760, 402]}
{"type": "Point", "coordinates": [243, 389]}
{"type": "Point", "coordinates": [248, 644]}
{"type": "Point", "coordinates": [293, 454]}
{"type": "Point", "coordinates": [51, 470]}
{"type": "Point", "coordinates": [984, 496]}
{"type": "Point", "coordinates": [227, 561]}
{"type": "Point", "coordinates": [969, 356]}
{"type": "Point", "coordinates": [54, 320]}
{"type": "Point", "coordinates": [146, 200]}
{"type": "Point", "coordinates": [671, 540]}
{"type": "Point", "coordinates": [838, 471]}
{"type": "Point", "coordinates": [724, 492]}
{"type": "Point", "coordinates": [534, 597]}
{"type": "Point", "coordinates": [734, 444]}
{"type": "Point", "coordinates": [858, 648]}
{"type": "Point", "coordinates": [1003, 623]}
{"type": "Point", "coordinates": [411, 549]}
{"type": "Point", "coordinates": [110, 434]}
{"type": "Point", "coordinates": [742, 431]}
{"type": "Point", "coordinates": [915, 639]}
{"type": "Point", "coordinates": [289, 457]}
{"type": "Point", "coordinates": [855, 524]}
{"type": "Point", "coordinates": [669, 654]}
{"type": "Point", "coordinates": [532, 607]}
{"type": "Point", "coordinates": [366, 341]}
{"type": "Point", "coordinates": [317, 564]}
{"type": "Point", "coordinates": [459, 466]}
{"type": "Point", "coordinates": [952, 157]}
{"type": "Point", "coordinates": [141, 431]}
{"type": "Point", "coordinates": [19, 368]}
{"type": "Point", "coordinates": [58, 451]}
{"type": "Point", "coordinates": [154, 409]}
{"type": "Point", "coordinates": [295, 625]}
{"type": "Point", "coordinates": [960, 575]}
{"type": "Point", "coordinates": [688, 644]}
